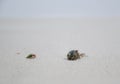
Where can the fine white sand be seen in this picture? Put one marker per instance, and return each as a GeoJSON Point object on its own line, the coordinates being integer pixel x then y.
{"type": "Point", "coordinates": [51, 40]}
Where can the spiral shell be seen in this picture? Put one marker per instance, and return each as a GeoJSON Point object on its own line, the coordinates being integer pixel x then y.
{"type": "Point", "coordinates": [73, 55]}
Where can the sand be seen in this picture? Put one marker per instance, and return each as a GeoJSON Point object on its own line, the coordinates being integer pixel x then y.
{"type": "Point", "coordinates": [51, 40]}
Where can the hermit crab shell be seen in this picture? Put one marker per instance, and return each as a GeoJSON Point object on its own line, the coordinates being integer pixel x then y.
{"type": "Point", "coordinates": [31, 56]}
{"type": "Point", "coordinates": [73, 55]}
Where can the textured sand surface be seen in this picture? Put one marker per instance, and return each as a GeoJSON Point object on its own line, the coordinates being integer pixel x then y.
{"type": "Point", "coordinates": [51, 40]}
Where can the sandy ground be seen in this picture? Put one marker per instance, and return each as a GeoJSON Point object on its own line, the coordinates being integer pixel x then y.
{"type": "Point", "coordinates": [51, 40]}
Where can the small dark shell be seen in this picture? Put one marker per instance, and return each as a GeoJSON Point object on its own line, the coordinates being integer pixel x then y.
{"type": "Point", "coordinates": [73, 55]}
{"type": "Point", "coordinates": [31, 56]}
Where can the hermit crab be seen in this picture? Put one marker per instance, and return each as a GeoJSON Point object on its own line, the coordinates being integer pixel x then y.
{"type": "Point", "coordinates": [31, 56]}
{"type": "Point", "coordinates": [74, 55]}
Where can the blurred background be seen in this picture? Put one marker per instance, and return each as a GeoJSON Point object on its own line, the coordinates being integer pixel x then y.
{"type": "Point", "coordinates": [59, 8]}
